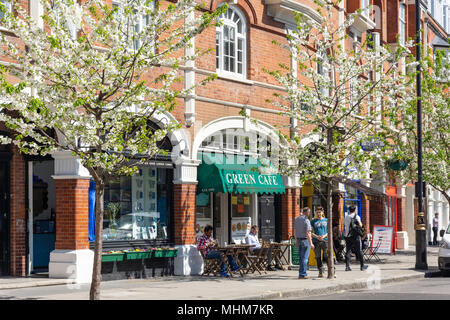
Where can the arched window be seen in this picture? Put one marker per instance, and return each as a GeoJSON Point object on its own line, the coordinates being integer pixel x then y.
{"type": "Point", "coordinates": [231, 44]}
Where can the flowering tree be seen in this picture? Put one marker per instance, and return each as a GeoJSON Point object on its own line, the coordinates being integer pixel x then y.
{"type": "Point", "coordinates": [435, 126]}
{"type": "Point", "coordinates": [99, 76]}
{"type": "Point", "coordinates": [339, 103]}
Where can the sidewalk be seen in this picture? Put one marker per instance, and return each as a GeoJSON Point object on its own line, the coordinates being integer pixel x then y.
{"type": "Point", "coordinates": [273, 285]}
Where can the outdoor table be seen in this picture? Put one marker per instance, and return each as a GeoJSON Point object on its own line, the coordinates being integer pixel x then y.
{"type": "Point", "coordinates": [234, 250]}
{"type": "Point", "coordinates": [278, 253]}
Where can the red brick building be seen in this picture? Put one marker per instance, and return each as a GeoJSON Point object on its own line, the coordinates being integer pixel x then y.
{"type": "Point", "coordinates": [46, 200]}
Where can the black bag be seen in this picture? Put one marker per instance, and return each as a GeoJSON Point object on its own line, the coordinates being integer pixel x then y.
{"type": "Point", "coordinates": [355, 229]}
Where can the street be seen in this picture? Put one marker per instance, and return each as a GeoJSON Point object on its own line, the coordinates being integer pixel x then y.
{"type": "Point", "coordinates": [436, 288]}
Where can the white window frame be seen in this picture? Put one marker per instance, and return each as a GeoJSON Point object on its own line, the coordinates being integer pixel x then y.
{"type": "Point", "coordinates": [232, 23]}
{"type": "Point", "coordinates": [139, 25]}
{"type": "Point", "coordinates": [322, 70]}
{"type": "Point", "coordinates": [72, 30]}
{"type": "Point", "coordinates": [365, 7]}
{"type": "Point", "coordinates": [402, 22]}
{"type": "Point", "coordinates": [8, 6]}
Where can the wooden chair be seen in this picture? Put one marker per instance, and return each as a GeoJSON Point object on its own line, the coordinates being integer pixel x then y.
{"type": "Point", "coordinates": [210, 266]}
{"type": "Point", "coordinates": [258, 262]}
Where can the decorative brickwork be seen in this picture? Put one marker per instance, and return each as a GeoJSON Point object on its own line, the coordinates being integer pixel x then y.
{"type": "Point", "coordinates": [184, 213]}
{"type": "Point", "coordinates": [72, 214]}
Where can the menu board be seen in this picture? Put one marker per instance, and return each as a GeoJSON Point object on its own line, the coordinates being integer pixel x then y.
{"type": "Point", "coordinates": [385, 234]}
{"type": "Point", "coordinates": [240, 228]}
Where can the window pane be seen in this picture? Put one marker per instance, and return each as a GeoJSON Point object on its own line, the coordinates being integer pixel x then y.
{"type": "Point", "coordinates": [240, 68]}
{"type": "Point", "coordinates": [217, 49]}
{"type": "Point", "coordinates": [232, 62]}
{"type": "Point", "coordinates": [226, 63]}
{"type": "Point", "coordinates": [137, 207]}
{"type": "Point", "coordinates": [229, 13]}
{"type": "Point", "coordinates": [239, 26]}
{"type": "Point", "coordinates": [235, 18]}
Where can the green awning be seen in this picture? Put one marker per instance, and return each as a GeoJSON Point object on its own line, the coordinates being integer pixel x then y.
{"type": "Point", "coordinates": [236, 174]}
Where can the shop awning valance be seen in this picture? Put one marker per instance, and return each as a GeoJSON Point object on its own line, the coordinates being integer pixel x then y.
{"type": "Point", "coordinates": [237, 174]}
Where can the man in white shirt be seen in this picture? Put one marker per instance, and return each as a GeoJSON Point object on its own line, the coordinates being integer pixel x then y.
{"type": "Point", "coordinates": [352, 241]}
{"type": "Point", "coordinates": [252, 238]}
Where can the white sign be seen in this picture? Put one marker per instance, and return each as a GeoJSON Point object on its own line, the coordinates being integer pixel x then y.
{"type": "Point", "coordinates": [240, 228]}
{"type": "Point", "coordinates": [385, 235]}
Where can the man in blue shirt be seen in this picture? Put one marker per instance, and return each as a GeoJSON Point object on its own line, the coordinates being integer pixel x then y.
{"type": "Point", "coordinates": [320, 240]}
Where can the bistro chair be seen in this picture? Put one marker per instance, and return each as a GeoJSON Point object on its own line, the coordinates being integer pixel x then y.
{"type": "Point", "coordinates": [371, 252]}
{"type": "Point", "coordinates": [210, 266]}
{"type": "Point", "coordinates": [258, 262]}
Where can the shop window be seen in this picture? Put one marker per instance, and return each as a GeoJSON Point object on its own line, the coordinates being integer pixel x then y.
{"type": "Point", "coordinates": [138, 207]}
{"type": "Point", "coordinates": [231, 44]}
{"type": "Point", "coordinates": [240, 205]}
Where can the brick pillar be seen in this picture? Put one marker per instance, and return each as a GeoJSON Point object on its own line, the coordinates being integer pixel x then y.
{"type": "Point", "coordinates": [401, 214]}
{"type": "Point", "coordinates": [184, 213]}
{"type": "Point", "coordinates": [72, 214]}
{"type": "Point", "coordinates": [365, 212]}
{"type": "Point", "coordinates": [290, 208]}
{"type": "Point", "coordinates": [17, 214]}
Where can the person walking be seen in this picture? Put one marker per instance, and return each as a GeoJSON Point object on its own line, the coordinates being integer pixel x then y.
{"type": "Point", "coordinates": [353, 238]}
{"type": "Point", "coordinates": [302, 229]}
{"type": "Point", "coordinates": [435, 228]}
{"type": "Point", "coordinates": [320, 239]}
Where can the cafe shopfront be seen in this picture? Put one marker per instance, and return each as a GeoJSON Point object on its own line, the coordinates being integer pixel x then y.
{"type": "Point", "coordinates": [235, 192]}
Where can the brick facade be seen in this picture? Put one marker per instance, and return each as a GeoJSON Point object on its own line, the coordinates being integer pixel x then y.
{"type": "Point", "coordinates": [184, 213]}
{"type": "Point", "coordinates": [72, 214]}
{"type": "Point", "coordinates": [290, 209]}
{"type": "Point", "coordinates": [365, 212]}
{"type": "Point", "coordinates": [18, 245]}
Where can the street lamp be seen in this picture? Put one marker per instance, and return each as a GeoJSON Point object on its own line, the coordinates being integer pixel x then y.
{"type": "Point", "coordinates": [421, 244]}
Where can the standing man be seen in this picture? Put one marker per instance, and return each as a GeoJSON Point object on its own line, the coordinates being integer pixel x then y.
{"type": "Point", "coordinates": [435, 228]}
{"type": "Point", "coordinates": [302, 228]}
{"type": "Point", "coordinates": [352, 239]}
{"type": "Point", "coordinates": [320, 239]}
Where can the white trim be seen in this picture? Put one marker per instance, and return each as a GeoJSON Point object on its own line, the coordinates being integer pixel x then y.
{"type": "Point", "coordinates": [233, 122]}
{"type": "Point", "coordinates": [69, 177]}
{"type": "Point", "coordinates": [283, 11]}
{"type": "Point", "coordinates": [238, 36]}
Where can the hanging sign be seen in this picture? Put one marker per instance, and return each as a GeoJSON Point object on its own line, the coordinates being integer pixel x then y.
{"type": "Point", "coordinates": [385, 235]}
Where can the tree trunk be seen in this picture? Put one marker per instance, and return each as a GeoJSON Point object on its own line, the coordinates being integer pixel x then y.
{"type": "Point", "coordinates": [330, 230]}
{"type": "Point", "coordinates": [97, 270]}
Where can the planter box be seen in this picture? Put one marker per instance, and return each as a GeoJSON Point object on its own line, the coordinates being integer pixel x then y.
{"type": "Point", "coordinates": [165, 253]}
{"type": "Point", "coordinates": [110, 257]}
{"type": "Point", "coordinates": [138, 255]}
